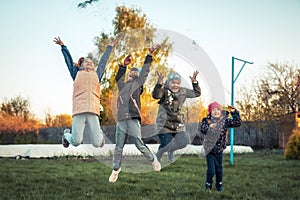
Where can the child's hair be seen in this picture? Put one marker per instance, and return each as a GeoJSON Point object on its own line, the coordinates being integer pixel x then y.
{"type": "Point", "coordinates": [80, 61]}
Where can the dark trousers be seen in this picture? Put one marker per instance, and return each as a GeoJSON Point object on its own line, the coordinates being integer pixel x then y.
{"type": "Point", "coordinates": [164, 139]}
{"type": "Point", "coordinates": [214, 166]}
{"type": "Point", "coordinates": [179, 141]}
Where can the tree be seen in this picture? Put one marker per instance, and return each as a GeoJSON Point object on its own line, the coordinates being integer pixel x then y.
{"type": "Point", "coordinates": [276, 93]}
{"type": "Point", "coordinates": [149, 107]}
{"type": "Point", "coordinates": [48, 120]}
{"type": "Point", "coordinates": [62, 120]}
{"type": "Point", "coordinates": [18, 107]}
{"type": "Point", "coordinates": [284, 86]}
{"type": "Point", "coordinates": [136, 36]}
{"type": "Point", "coordinates": [15, 117]}
{"type": "Point", "coordinates": [194, 111]}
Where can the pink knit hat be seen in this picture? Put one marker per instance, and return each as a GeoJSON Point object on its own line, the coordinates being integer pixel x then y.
{"type": "Point", "coordinates": [214, 105]}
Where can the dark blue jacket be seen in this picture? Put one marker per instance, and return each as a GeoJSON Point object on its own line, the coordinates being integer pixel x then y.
{"type": "Point", "coordinates": [73, 69]}
{"type": "Point", "coordinates": [234, 121]}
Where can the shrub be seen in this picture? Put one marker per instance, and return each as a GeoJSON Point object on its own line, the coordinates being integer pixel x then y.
{"type": "Point", "coordinates": [292, 150]}
{"type": "Point", "coordinates": [27, 138]}
{"type": "Point", "coordinates": [7, 138]}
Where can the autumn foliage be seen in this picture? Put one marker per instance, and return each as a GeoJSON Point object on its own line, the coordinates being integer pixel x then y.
{"type": "Point", "coordinates": [18, 129]}
{"type": "Point", "coordinates": [15, 116]}
{"type": "Point", "coordinates": [18, 125]}
{"type": "Point", "coordinates": [136, 35]}
{"type": "Point", "coordinates": [61, 120]}
{"type": "Point", "coordinates": [14, 124]}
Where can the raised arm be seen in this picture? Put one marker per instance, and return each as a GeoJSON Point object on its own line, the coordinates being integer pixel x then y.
{"type": "Point", "coordinates": [120, 77]}
{"type": "Point", "coordinates": [158, 90]}
{"type": "Point", "coordinates": [104, 59]}
{"type": "Point", "coordinates": [68, 58]}
{"type": "Point", "coordinates": [146, 66]}
{"type": "Point", "coordinates": [196, 92]}
{"type": "Point", "coordinates": [236, 120]}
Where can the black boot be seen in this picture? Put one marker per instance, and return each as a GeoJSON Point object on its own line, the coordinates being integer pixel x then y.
{"type": "Point", "coordinates": [219, 186]}
{"type": "Point", "coordinates": [208, 186]}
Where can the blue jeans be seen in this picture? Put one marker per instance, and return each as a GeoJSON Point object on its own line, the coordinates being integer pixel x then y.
{"type": "Point", "coordinates": [164, 139]}
{"type": "Point", "coordinates": [179, 141]}
{"type": "Point", "coordinates": [214, 166]}
{"type": "Point", "coordinates": [124, 128]}
{"type": "Point", "coordinates": [79, 122]}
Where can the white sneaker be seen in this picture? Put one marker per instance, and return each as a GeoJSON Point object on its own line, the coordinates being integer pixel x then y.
{"type": "Point", "coordinates": [114, 175]}
{"type": "Point", "coordinates": [156, 165]}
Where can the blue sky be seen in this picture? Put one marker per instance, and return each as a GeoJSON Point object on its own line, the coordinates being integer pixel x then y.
{"type": "Point", "coordinates": [32, 65]}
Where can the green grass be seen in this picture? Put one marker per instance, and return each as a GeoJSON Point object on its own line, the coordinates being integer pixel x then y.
{"type": "Point", "coordinates": [261, 175]}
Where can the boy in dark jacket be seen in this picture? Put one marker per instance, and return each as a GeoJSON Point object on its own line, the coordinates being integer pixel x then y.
{"type": "Point", "coordinates": [215, 126]}
{"type": "Point", "coordinates": [129, 115]}
{"type": "Point", "coordinates": [170, 119]}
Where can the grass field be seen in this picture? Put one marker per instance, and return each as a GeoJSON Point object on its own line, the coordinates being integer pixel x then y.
{"type": "Point", "coordinates": [260, 175]}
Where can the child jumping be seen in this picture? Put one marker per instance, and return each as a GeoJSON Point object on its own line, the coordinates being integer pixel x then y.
{"type": "Point", "coordinates": [86, 97]}
{"type": "Point", "coordinates": [129, 115]}
{"type": "Point", "coordinates": [170, 118]}
{"type": "Point", "coordinates": [215, 126]}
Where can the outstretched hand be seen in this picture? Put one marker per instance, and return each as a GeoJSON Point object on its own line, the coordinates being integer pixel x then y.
{"type": "Point", "coordinates": [231, 108]}
{"type": "Point", "coordinates": [160, 77]}
{"type": "Point", "coordinates": [115, 41]}
{"type": "Point", "coordinates": [127, 60]}
{"type": "Point", "coordinates": [194, 77]}
{"type": "Point", "coordinates": [152, 49]}
{"type": "Point", "coordinates": [58, 41]}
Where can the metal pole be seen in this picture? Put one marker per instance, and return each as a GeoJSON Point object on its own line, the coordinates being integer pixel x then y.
{"type": "Point", "coordinates": [233, 79]}
{"type": "Point", "coordinates": [232, 104]}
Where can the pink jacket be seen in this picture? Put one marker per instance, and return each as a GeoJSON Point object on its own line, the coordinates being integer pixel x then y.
{"type": "Point", "coordinates": [86, 93]}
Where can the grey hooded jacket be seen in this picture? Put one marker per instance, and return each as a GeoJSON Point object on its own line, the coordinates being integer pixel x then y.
{"type": "Point", "coordinates": [170, 118]}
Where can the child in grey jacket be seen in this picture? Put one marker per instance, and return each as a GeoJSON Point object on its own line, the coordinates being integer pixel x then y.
{"type": "Point", "coordinates": [170, 118]}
